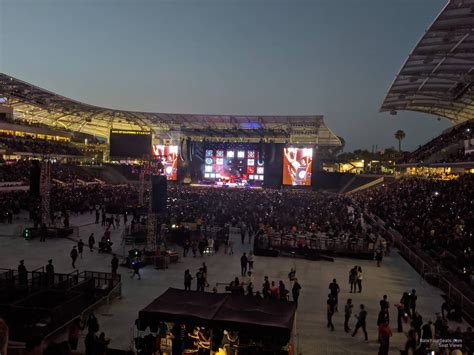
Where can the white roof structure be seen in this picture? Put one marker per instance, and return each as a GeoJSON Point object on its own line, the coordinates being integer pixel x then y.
{"type": "Point", "coordinates": [39, 105]}
{"type": "Point", "coordinates": [438, 75]}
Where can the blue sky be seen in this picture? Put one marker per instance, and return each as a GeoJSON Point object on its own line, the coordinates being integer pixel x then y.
{"type": "Point", "coordinates": [331, 57]}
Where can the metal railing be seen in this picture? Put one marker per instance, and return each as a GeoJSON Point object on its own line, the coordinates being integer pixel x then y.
{"type": "Point", "coordinates": [430, 269]}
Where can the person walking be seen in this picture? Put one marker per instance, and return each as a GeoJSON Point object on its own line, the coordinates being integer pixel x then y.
{"type": "Point", "coordinates": [361, 322]}
{"type": "Point", "coordinates": [187, 280]}
{"type": "Point", "coordinates": [347, 314]}
{"type": "Point", "coordinates": [334, 288]}
{"type": "Point", "coordinates": [331, 303]}
{"type": "Point", "coordinates": [91, 242]}
{"type": "Point", "coordinates": [115, 264]}
{"type": "Point", "coordinates": [243, 264]}
{"type": "Point", "coordinates": [136, 269]}
{"type": "Point", "coordinates": [80, 247]}
{"type": "Point", "coordinates": [74, 255]}
{"type": "Point", "coordinates": [359, 279]}
{"type": "Point", "coordinates": [384, 338]}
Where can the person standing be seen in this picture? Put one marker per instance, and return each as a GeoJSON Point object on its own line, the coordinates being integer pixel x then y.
{"type": "Point", "coordinates": [347, 315]}
{"type": "Point", "coordinates": [331, 304]}
{"type": "Point", "coordinates": [97, 216]}
{"type": "Point", "coordinates": [413, 298]}
{"type": "Point", "coordinates": [50, 272]}
{"type": "Point", "coordinates": [200, 280]}
{"type": "Point", "coordinates": [250, 261]}
{"type": "Point", "coordinates": [296, 291]}
{"type": "Point", "coordinates": [384, 338]}
{"type": "Point", "coordinates": [114, 263]}
{"type": "Point", "coordinates": [80, 247]}
{"type": "Point", "coordinates": [266, 288]}
{"type": "Point", "coordinates": [379, 256]}
{"type": "Point", "coordinates": [243, 264]}
{"type": "Point", "coordinates": [43, 232]}
{"type": "Point", "coordinates": [334, 288]}
{"type": "Point", "coordinates": [74, 255]}
{"type": "Point", "coordinates": [359, 279]}
{"type": "Point", "coordinates": [187, 280]}
{"type": "Point", "coordinates": [91, 242]}
{"type": "Point", "coordinates": [22, 273]}
{"type": "Point", "coordinates": [361, 322]}
{"type": "Point", "coordinates": [353, 278]}
{"type": "Point", "coordinates": [136, 269]}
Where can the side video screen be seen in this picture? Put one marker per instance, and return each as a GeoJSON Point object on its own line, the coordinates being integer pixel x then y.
{"type": "Point", "coordinates": [297, 166]}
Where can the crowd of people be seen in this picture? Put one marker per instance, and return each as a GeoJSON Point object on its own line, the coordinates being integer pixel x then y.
{"type": "Point", "coordinates": [436, 216]}
{"type": "Point", "coordinates": [456, 134]}
{"type": "Point", "coordinates": [37, 146]}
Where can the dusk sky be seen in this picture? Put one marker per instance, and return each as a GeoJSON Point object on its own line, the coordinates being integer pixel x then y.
{"type": "Point", "coordinates": [329, 57]}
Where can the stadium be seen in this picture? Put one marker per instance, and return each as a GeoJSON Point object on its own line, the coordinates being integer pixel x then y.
{"type": "Point", "coordinates": [94, 199]}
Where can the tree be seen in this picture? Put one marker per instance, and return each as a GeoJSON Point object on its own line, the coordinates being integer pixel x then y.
{"type": "Point", "coordinates": [400, 135]}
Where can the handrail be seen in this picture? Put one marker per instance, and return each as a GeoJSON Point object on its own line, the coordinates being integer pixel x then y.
{"type": "Point", "coordinates": [427, 269]}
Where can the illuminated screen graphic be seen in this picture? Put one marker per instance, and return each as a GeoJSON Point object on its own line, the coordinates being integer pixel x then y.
{"type": "Point", "coordinates": [297, 166]}
{"type": "Point", "coordinates": [233, 163]}
{"type": "Point", "coordinates": [168, 155]}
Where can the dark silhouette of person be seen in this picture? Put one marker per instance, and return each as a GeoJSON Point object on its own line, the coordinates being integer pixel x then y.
{"type": "Point", "coordinates": [347, 315]}
{"type": "Point", "coordinates": [136, 269]}
{"type": "Point", "coordinates": [91, 241]}
{"type": "Point", "coordinates": [22, 273]}
{"type": "Point", "coordinates": [361, 322]}
{"type": "Point", "coordinates": [296, 289]}
{"type": "Point", "coordinates": [43, 232]}
{"type": "Point", "coordinates": [80, 247]}
{"type": "Point", "coordinates": [50, 272]}
{"type": "Point", "coordinates": [243, 264]}
{"type": "Point", "coordinates": [115, 264]}
{"type": "Point", "coordinates": [331, 304]}
{"type": "Point", "coordinates": [187, 280]}
{"type": "Point", "coordinates": [74, 254]}
{"type": "Point", "coordinates": [334, 288]}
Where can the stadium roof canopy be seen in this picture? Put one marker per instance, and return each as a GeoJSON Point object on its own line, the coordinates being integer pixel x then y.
{"type": "Point", "coordinates": [438, 75]}
{"type": "Point", "coordinates": [35, 104]}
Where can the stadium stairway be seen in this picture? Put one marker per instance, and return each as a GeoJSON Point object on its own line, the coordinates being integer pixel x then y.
{"type": "Point", "coordinates": [361, 182]}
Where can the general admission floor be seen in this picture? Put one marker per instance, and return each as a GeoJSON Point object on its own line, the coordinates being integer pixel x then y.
{"type": "Point", "coordinates": [393, 278]}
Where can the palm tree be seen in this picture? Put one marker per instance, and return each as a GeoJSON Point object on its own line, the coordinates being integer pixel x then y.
{"type": "Point", "coordinates": [400, 135]}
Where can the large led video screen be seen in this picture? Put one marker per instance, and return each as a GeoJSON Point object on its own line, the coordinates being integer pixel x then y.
{"type": "Point", "coordinates": [168, 155]}
{"type": "Point", "coordinates": [233, 163]}
{"type": "Point", "coordinates": [297, 166]}
{"type": "Point", "coordinates": [130, 144]}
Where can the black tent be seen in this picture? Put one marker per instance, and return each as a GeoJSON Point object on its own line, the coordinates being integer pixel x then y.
{"type": "Point", "coordinates": [226, 311]}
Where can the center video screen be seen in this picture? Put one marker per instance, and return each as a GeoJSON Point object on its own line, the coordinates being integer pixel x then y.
{"type": "Point", "coordinates": [231, 163]}
{"type": "Point", "coordinates": [130, 143]}
{"type": "Point", "coordinates": [297, 166]}
{"type": "Point", "coordinates": [168, 155]}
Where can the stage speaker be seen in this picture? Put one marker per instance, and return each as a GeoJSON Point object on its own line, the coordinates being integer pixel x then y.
{"type": "Point", "coordinates": [159, 193]}
{"type": "Point", "coordinates": [35, 175]}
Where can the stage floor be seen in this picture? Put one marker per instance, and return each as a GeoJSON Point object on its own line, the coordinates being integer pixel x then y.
{"type": "Point", "coordinates": [116, 320]}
